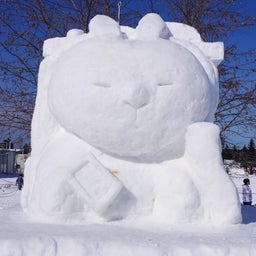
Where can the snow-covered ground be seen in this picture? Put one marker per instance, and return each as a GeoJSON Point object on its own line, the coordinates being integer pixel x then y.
{"type": "Point", "coordinates": [21, 236]}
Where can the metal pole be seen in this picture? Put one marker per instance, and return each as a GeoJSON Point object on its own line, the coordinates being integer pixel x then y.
{"type": "Point", "coordinates": [119, 11]}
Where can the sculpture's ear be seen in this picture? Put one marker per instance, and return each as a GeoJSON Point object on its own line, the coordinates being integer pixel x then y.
{"type": "Point", "coordinates": [103, 25]}
{"type": "Point", "coordinates": [58, 44]}
{"type": "Point", "coordinates": [100, 25]}
{"type": "Point", "coordinates": [213, 51]}
{"type": "Point", "coordinates": [152, 27]}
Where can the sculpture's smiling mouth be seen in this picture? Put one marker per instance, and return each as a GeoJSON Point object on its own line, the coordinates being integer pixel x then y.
{"type": "Point", "coordinates": [136, 106]}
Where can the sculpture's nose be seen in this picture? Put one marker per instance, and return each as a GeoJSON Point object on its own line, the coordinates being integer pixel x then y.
{"type": "Point", "coordinates": [138, 97]}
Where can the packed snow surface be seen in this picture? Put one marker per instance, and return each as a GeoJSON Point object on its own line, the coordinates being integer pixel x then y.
{"type": "Point", "coordinates": [122, 128]}
{"type": "Point", "coordinates": [21, 236]}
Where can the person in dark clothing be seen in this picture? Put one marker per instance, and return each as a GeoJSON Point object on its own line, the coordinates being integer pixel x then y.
{"type": "Point", "coordinates": [20, 182]}
{"type": "Point", "coordinates": [247, 192]}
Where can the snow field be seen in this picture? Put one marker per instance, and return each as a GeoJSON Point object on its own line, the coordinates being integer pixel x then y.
{"type": "Point", "coordinates": [20, 236]}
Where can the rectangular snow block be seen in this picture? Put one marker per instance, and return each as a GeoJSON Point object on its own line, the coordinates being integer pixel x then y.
{"type": "Point", "coordinates": [102, 191]}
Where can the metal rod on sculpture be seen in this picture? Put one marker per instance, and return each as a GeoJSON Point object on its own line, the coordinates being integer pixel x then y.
{"type": "Point", "coordinates": [119, 11]}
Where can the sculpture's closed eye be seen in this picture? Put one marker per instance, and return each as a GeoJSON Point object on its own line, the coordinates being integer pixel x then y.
{"type": "Point", "coordinates": [165, 84]}
{"type": "Point", "coordinates": [104, 85]}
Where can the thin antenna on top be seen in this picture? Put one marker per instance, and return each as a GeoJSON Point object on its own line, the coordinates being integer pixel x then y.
{"type": "Point", "coordinates": [119, 11]}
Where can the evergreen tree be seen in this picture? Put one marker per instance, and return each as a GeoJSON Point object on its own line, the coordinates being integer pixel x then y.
{"type": "Point", "coordinates": [251, 153]}
{"type": "Point", "coordinates": [243, 156]}
{"type": "Point", "coordinates": [27, 149]}
{"type": "Point", "coordinates": [227, 153]}
{"type": "Point", "coordinates": [235, 154]}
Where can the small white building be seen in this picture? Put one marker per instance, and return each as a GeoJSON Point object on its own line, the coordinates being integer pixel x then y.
{"type": "Point", "coordinates": [20, 160]}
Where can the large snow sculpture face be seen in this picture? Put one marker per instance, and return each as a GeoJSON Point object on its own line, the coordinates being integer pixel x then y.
{"type": "Point", "coordinates": [131, 98]}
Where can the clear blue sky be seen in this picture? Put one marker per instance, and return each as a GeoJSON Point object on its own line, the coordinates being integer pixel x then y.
{"type": "Point", "coordinates": [245, 39]}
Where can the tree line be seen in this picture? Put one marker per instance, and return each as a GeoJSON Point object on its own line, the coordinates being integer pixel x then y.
{"type": "Point", "coordinates": [246, 155]}
{"type": "Point", "coordinates": [26, 24]}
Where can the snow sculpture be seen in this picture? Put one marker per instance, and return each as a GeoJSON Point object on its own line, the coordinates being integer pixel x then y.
{"type": "Point", "coordinates": [122, 127]}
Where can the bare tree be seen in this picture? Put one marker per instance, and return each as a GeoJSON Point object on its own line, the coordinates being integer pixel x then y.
{"type": "Point", "coordinates": [26, 24]}
{"type": "Point", "coordinates": [24, 27]}
{"type": "Point", "coordinates": [218, 20]}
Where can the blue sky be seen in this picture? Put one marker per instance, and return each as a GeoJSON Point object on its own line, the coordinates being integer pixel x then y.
{"type": "Point", "coordinates": [246, 38]}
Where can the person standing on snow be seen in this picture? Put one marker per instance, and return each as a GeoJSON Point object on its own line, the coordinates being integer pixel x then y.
{"type": "Point", "coordinates": [20, 182]}
{"type": "Point", "coordinates": [247, 192]}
